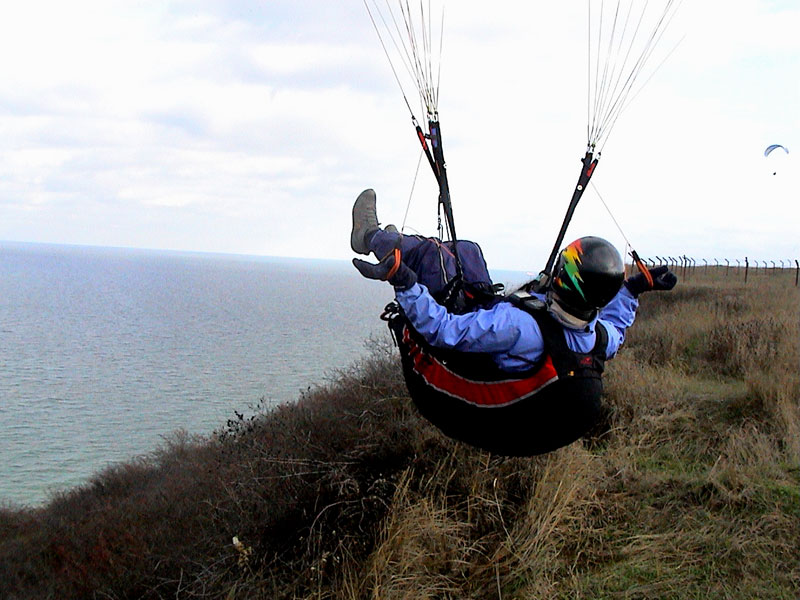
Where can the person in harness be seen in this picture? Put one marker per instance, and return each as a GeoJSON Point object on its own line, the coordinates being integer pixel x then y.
{"type": "Point", "coordinates": [518, 375]}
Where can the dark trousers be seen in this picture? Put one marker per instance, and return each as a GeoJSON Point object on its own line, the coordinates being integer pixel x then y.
{"type": "Point", "coordinates": [429, 258]}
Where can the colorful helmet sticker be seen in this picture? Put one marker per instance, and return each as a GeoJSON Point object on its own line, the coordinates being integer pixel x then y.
{"type": "Point", "coordinates": [572, 258]}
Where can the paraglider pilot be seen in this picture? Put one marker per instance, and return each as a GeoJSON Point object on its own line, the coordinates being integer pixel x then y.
{"type": "Point", "coordinates": [537, 385]}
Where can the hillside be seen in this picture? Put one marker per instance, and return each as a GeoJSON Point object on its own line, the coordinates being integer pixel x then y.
{"type": "Point", "coordinates": [690, 490]}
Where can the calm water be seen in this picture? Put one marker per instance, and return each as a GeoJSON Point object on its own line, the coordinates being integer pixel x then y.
{"type": "Point", "coordinates": [103, 351]}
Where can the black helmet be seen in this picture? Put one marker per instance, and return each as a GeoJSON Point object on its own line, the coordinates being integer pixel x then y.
{"type": "Point", "coordinates": [588, 274]}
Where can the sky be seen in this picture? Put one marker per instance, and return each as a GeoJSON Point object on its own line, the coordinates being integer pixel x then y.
{"type": "Point", "coordinates": [250, 127]}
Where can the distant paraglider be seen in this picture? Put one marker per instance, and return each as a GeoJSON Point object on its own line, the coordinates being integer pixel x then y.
{"type": "Point", "coordinates": [771, 148]}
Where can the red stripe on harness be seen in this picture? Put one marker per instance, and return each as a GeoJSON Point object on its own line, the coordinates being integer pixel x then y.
{"type": "Point", "coordinates": [480, 393]}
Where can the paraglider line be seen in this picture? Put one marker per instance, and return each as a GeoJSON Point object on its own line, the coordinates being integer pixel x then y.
{"type": "Point", "coordinates": [411, 193]}
{"type": "Point", "coordinates": [634, 255]}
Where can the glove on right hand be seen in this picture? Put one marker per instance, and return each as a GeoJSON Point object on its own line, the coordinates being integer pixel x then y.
{"type": "Point", "coordinates": [402, 279]}
{"type": "Point", "coordinates": [663, 280]}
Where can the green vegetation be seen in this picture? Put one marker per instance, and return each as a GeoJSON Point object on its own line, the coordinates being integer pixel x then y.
{"type": "Point", "coordinates": [690, 490]}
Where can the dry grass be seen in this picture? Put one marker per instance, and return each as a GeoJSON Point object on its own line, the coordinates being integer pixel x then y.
{"type": "Point", "coordinates": [691, 491]}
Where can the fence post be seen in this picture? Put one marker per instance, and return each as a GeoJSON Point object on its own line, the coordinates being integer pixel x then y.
{"type": "Point", "coordinates": [727, 266]}
{"type": "Point", "coordinates": [746, 268]}
{"type": "Point", "coordinates": [797, 271]}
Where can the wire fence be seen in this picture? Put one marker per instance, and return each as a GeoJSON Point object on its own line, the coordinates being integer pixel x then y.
{"type": "Point", "coordinates": [740, 268]}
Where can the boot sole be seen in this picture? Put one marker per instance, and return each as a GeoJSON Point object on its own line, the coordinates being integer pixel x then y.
{"type": "Point", "coordinates": [364, 220]}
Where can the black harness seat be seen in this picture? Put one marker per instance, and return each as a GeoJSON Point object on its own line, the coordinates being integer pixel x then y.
{"type": "Point", "coordinates": [469, 398]}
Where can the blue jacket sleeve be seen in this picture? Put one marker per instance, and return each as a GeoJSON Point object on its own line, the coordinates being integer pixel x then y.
{"type": "Point", "coordinates": [510, 335]}
{"type": "Point", "coordinates": [617, 316]}
{"type": "Point", "coordinates": [503, 330]}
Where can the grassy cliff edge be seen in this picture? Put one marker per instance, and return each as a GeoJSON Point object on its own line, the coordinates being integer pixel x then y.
{"type": "Point", "coordinates": [691, 490]}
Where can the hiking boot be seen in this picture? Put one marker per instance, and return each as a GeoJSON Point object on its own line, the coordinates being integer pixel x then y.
{"type": "Point", "coordinates": [365, 222]}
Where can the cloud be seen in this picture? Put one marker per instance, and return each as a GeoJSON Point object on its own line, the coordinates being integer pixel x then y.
{"type": "Point", "coordinates": [250, 127]}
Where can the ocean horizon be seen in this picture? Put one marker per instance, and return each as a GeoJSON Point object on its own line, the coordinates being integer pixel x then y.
{"type": "Point", "coordinates": [106, 351]}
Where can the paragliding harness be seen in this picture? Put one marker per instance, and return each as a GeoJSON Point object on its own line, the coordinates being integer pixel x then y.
{"type": "Point", "coordinates": [555, 402]}
{"type": "Point", "coordinates": [469, 398]}
{"type": "Point", "coordinates": [465, 394]}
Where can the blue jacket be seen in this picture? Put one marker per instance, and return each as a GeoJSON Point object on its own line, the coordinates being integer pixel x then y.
{"type": "Point", "coordinates": [509, 334]}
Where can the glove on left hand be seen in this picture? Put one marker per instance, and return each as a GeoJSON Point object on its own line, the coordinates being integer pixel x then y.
{"type": "Point", "coordinates": [402, 279]}
{"type": "Point", "coordinates": [663, 280]}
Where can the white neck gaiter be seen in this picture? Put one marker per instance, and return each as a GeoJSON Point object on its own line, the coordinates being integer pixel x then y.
{"type": "Point", "coordinates": [566, 319]}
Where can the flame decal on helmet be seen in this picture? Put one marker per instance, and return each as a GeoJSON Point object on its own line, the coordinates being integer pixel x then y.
{"type": "Point", "coordinates": [572, 258]}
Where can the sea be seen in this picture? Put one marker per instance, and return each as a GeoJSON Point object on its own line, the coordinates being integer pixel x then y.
{"type": "Point", "coordinates": [107, 352]}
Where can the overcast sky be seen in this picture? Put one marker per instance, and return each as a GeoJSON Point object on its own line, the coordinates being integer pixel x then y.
{"type": "Point", "coordinates": [251, 126]}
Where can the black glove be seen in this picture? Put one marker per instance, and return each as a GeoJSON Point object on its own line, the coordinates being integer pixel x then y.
{"type": "Point", "coordinates": [663, 280]}
{"type": "Point", "coordinates": [402, 278]}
